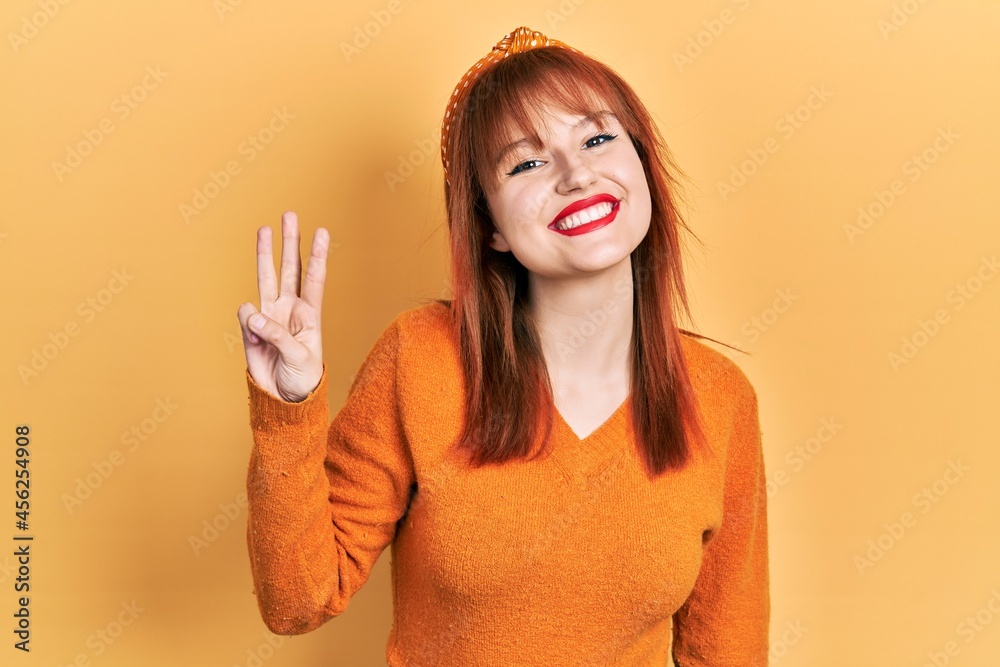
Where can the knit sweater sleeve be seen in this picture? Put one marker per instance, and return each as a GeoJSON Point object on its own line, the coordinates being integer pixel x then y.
{"type": "Point", "coordinates": [323, 502]}
{"type": "Point", "coordinates": [724, 622]}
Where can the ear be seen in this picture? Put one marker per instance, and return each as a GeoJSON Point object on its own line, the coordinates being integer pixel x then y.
{"type": "Point", "coordinates": [498, 242]}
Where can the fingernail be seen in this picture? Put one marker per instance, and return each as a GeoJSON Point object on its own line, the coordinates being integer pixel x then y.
{"type": "Point", "coordinates": [257, 322]}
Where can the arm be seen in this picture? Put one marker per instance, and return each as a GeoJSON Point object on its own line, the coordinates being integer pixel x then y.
{"type": "Point", "coordinates": [724, 622]}
{"type": "Point", "coordinates": [323, 504]}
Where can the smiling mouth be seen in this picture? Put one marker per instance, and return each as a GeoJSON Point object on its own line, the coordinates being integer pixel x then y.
{"type": "Point", "coordinates": [587, 219]}
{"type": "Point", "coordinates": [595, 212]}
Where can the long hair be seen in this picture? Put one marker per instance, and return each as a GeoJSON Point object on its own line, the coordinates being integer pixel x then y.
{"type": "Point", "coordinates": [507, 386]}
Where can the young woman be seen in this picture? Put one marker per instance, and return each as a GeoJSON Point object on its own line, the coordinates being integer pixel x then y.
{"type": "Point", "coordinates": [565, 477]}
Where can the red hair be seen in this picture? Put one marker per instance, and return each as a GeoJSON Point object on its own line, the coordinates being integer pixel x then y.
{"type": "Point", "coordinates": [507, 386]}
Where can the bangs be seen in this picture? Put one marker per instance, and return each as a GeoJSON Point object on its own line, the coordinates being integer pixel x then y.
{"type": "Point", "coordinates": [547, 77]}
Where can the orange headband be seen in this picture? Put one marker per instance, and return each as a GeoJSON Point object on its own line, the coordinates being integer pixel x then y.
{"type": "Point", "coordinates": [522, 39]}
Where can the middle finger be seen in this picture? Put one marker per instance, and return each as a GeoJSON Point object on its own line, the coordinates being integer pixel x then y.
{"type": "Point", "coordinates": [291, 267]}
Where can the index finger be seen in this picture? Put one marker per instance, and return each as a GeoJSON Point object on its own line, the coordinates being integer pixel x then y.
{"type": "Point", "coordinates": [291, 267]}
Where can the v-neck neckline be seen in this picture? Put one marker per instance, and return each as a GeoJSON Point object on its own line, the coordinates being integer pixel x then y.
{"type": "Point", "coordinates": [605, 425]}
{"type": "Point", "coordinates": [580, 459]}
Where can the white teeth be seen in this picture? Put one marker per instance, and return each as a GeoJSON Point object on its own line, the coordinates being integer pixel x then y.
{"type": "Point", "coordinates": [589, 214]}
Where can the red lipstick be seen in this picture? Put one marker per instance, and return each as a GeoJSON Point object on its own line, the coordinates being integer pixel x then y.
{"type": "Point", "coordinates": [579, 206]}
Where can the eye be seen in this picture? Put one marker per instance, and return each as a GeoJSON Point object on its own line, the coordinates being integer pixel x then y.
{"type": "Point", "coordinates": [599, 139]}
{"type": "Point", "coordinates": [524, 166]}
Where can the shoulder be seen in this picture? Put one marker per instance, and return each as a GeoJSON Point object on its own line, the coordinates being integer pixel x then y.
{"type": "Point", "coordinates": [412, 336]}
{"type": "Point", "coordinates": [431, 317]}
{"type": "Point", "coordinates": [727, 401]}
{"type": "Point", "coordinates": [713, 373]}
{"type": "Point", "coordinates": [426, 326]}
{"type": "Point", "coordinates": [424, 338]}
{"type": "Point", "coordinates": [429, 375]}
{"type": "Point", "coordinates": [412, 351]}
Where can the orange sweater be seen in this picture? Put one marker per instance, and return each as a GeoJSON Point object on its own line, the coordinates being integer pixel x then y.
{"type": "Point", "coordinates": [573, 559]}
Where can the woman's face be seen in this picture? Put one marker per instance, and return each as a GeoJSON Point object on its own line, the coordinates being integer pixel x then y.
{"type": "Point", "coordinates": [578, 205]}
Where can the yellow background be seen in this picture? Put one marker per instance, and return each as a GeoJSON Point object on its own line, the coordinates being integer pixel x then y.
{"type": "Point", "coordinates": [820, 305]}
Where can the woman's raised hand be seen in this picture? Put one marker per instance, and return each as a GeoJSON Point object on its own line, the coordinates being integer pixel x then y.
{"type": "Point", "coordinates": [282, 342]}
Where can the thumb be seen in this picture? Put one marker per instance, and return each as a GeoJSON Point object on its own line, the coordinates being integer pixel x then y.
{"type": "Point", "coordinates": [271, 332]}
{"type": "Point", "coordinates": [257, 322]}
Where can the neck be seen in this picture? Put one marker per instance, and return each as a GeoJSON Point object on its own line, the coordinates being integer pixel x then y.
{"type": "Point", "coordinates": [585, 324]}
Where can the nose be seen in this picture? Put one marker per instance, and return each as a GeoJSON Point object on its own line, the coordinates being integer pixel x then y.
{"type": "Point", "coordinates": [576, 174]}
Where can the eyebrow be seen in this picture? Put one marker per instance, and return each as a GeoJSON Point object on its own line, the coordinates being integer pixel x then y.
{"type": "Point", "coordinates": [588, 119]}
